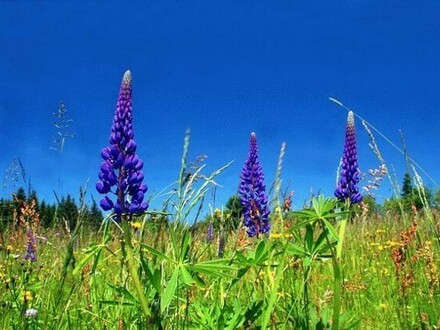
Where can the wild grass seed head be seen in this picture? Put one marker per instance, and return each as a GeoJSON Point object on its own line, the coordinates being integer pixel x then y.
{"type": "Point", "coordinates": [62, 124]}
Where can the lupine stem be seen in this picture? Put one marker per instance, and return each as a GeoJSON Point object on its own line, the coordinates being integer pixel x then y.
{"type": "Point", "coordinates": [274, 292]}
{"type": "Point", "coordinates": [337, 272]}
{"type": "Point", "coordinates": [129, 259]}
{"type": "Point", "coordinates": [348, 192]}
{"type": "Point", "coordinates": [337, 281]}
{"type": "Point", "coordinates": [341, 235]}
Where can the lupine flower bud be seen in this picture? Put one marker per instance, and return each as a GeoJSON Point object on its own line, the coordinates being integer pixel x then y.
{"type": "Point", "coordinates": [252, 193]}
{"type": "Point", "coordinates": [121, 171]}
{"type": "Point", "coordinates": [349, 176]}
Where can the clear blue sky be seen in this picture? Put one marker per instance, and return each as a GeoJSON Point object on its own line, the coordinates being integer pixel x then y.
{"type": "Point", "coordinates": [222, 69]}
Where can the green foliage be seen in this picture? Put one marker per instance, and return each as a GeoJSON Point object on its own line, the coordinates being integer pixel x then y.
{"type": "Point", "coordinates": [235, 211]}
{"type": "Point", "coordinates": [94, 215]}
{"type": "Point", "coordinates": [412, 197]}
{"type": "Point", "coordinates": [415, 199]}
{"type": "Point", "coordinates": [68, 211]}
{"type": "Point", "coordinates": [436, 199]}
{"type": "Point", "coordinates": [50, 215]}
{"type": "Point", "coordinates": [259, 283]}
{"type": "Point", "coordinates": [407, 187]}
{"type": "Point", "coordinates": [156, 272]}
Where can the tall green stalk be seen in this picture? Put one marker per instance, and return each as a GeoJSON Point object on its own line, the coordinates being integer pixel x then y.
{"type": "Point", "coordinates": [127, 249]}
{"type": "Point", "coordinates": [274, 292]}
{"type": "Point", "coordinates": [337, 292]}
{"type": "Point", "coordinates": [337, 271]}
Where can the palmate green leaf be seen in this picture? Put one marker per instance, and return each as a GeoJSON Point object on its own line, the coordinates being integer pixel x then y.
{"type": "Point", "coordinates": [308, 240]}
{"type": "Point", "coordinates": [241, 272]}
{"type": "Point", "coordinates": [302, 224]}
{"type": "Point", "coordinates": [307, 214]}
{"type": "Point", "coordinates": [124, 292]}
{"type": "Point", "coordinates": [169, 290]}
{"type": "Point", "coordinates": [307, 261]}
{"type": "Point", "coordinates": [242, 260]}
{"type": "Point", "coordinates": [320, 243]}
{"type": "Point", "coordinates": [185, 275]}
{"type": "Point", "coordinates": [295, 250]}
{"type": "Point", "coordinates": [262, 252]}
{"type": "Point", "coordinates": [218, 268]}
{"type": "Point", "coordinates": [323, 205]}
{"type": "Point", "coordinates": [92, 250]}
{"type": "Point", "coordinates": [153, 275]}
{"type": "Point", "coordinates": [185, 245]}
{"type": "Point", "coordinates": [331, 229]}
{"type": "Point", "coordinates": [157, 253]}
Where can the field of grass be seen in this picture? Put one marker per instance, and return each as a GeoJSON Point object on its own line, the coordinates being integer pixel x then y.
{"type": "Point", "coordinates": [389, 275]}
{"type": "Point", "coordinates": [335, 264]}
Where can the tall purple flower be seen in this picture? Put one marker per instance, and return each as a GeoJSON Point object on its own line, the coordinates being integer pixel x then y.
{"type": "Point", "coordinates": [210, 233]}
{"type": "Point", "coordinates": [121, 171]}
{"type": "Point", "coordinates": [221, 245]}
{"type": "Point", "coordinates": [349, 176]}
{"type": "Point", "coordinates": [252, 193]}
{"type": "Point", "coordinates": [31, 246]}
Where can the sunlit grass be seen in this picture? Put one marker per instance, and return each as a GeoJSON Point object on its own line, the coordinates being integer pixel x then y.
{"type": "Point", "coordinates": [233, 291]}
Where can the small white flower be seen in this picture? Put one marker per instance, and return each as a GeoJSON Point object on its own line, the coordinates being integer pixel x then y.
{"type": "Point", "coordinates": [31, 313]}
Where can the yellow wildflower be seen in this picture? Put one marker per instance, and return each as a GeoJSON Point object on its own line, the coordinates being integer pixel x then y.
{"type": "Point", "coordinates": [27, 296]}
{"type": "Point", "coordinates": [136, 225]}
{"type": "Point", "coordinates": [274, 236]}
{"type": "Point", "coordinates": [393, 243]}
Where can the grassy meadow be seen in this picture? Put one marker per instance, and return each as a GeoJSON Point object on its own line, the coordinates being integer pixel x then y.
{"type": "Point", "coordinates": [338, 263]}
{"type": "Point", "coordinates": [324, 267]}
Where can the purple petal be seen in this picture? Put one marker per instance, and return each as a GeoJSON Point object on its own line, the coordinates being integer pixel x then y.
{"type": "Point", "coordinates": [106, 203]}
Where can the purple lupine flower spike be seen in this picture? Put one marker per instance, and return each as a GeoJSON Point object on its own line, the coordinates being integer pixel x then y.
{"type": "Point", "coordinates": [221, 245]}
{"type": "Point", "coordinates": [31, 246]}
{"type": "Point", "coordinates": [121, 171]}
{"type": "Point", "coordinates": [252, 193]}
{"type": "Point", "coordinates": [210, 233]}
{"type": "Point", "coordinates": [349, 176]}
